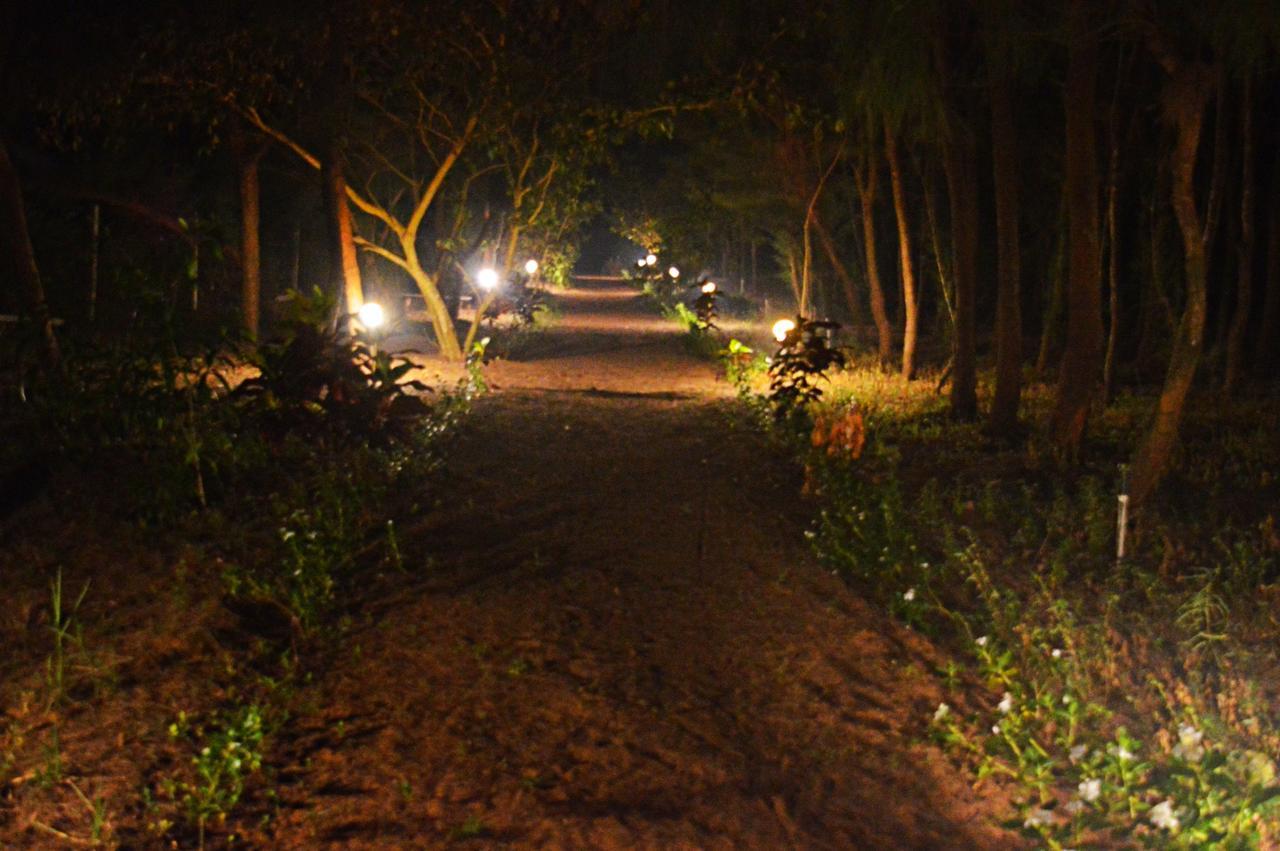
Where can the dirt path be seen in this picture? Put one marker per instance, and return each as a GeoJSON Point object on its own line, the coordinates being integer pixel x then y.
{"type": "Point", "coordinates": [621, 640]}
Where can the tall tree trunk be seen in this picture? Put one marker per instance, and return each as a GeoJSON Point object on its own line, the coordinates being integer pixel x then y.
{"type": "Point", "coordinates": [842, 273]}
{"type": "Point", "coordinates": [1186, 98]}
{"type": "Point", "coordinates": [1218, 176]}
{"type": "Point", "coordinates": [14, 233]}
{"type": "Point", "coordinates": [865, 178]}
{"type": "Point", "coordinates": [910, 300]}
{"type": "Point", "coordinates": [1113, 247]}
{"type": "Point", "coordinates": [959, 157]}
{"type": "Point", "coordinates": [1269, 328]}
{"type": "Point", "coordinates": [247, 161]}
{"type": "Point", "coordinates": [1008, 392]}
{"type": "Point", "coordinates": [1244, 281]}
{"type": "Point", "coordinates": [1082, 360]}
{"type": "Point", "coordinates": [95, 246]}
{"type": "Point", "coordinates": [345, 269]}
{"type": "Point", "coordinates": [939, 258]}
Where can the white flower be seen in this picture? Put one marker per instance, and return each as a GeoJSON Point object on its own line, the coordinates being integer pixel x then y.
{"type": "Point", "coordinates": [1066, 699]}
{"type": "Point", "coordinates": [1190, 744]}
{"type": "Point", "coordinates": [1074, 807]}
{"type": "Point", "coordinates": [909, 594]}
{"type": "Point", "coordinates": [981, 641]}
{"type": "Point", "coordinates": [1120, 752]}
{"type": "Point", "coordinates": [1162, 815]}
{"type": "Point", "coordinates": [995, 728]}
{"type": "Point", "coordinates": [1005, 704]}
{"type": "Point", "coordinates": [941, 712]}
{"type": "Point", "coordinates": [1090, 789]}
{"type": "Point", "coordinates": [1078, 752]}
{"type": "Point", "coordinates": [1038, 817]}
{"type": "Point", "coordinates": [1056, 653]}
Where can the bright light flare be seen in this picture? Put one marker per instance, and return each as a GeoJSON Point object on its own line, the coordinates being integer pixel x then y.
{"type": "Point", "coordinates": [650, 259]}
{"type": "Point", "coordinates": [487, 278]}
{"type": "Point", "coordinates": [674, 271]}
{"type": "Point", "coordinates": [372, 315]}
{"type": "Point", "coordinates": [709, 287]}
{"type": "Point", "coordinates": [530, 267]}
{"type": "Point", "coordinates": [782, 328]}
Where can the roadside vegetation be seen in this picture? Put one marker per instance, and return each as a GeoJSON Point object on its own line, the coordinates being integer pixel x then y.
{"type": "Point", "coordinates": [230, 502]}
{"type": "Point", "coordinates": [1120, 701]}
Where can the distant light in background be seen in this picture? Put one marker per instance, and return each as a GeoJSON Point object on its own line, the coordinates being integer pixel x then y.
{"type": "Point", "coordinates": [782, 328]}
{"type": "Point", "coordinates": [709, 287]}
{"type": "Point", "coordinates": [530, 267]}
{"type": "Point", "coordinates": [372, 315]}
{"type": "Point", "coordinates": [487, 278]}
{"type": "Point", "coordinates": [674, 272]}
{"type": "Point", "coordinates": [650, 259]}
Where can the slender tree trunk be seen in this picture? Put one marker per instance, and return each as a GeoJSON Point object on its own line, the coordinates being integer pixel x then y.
{"type": "Point", "coordinates": [345, 268]}
{"type": "Point", "coordinates": [1052, 317]}
{"type": "Point", "coordinates": [842, 273]}
{"type": "Point", "coordinates": [1218, 177]}
{"type": "Point", "coordinates": [1008, 392]}
{"type": "Point", "coordinates": [1269, 329]}
{"type": "Point", "coordinates": [295, 258]}
{"type": "Point", "coordinates": [1113, 256]}
{"type": "Point", "coordinates": [866, 181]}
{"type": "Point", "coordinates": [959, 160]}
{"type": "Point", "coordinates": [95, 245]}
{"type": "Point", "coordinates": [939, 259]}
{"type": "Point", "coordinates": [1082, 360]}
{"type": "Point", "coordinates": [1157, 312]}
{"type": "Point", "coordinates": [1109, 361]}
{"type": "Point", "coordinates": [910, 300]}
{"type": "Point", "coordinates": [13, 231]}
{"type": "Point", "coordinates": [1244, 281]}
{"type": "Point", "coordinates": [250, 232]}
{"type": "Point", "coordinates": [1187, 96]}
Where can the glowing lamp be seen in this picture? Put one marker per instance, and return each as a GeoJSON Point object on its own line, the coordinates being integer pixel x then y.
{"type": "Point", "coordinates": [709, 287]}
{"type": "Point", "coordinates": [674, 272]}
{"type": "Point", "coordinates": [530, 267]}
{"type": "Point", "coordinates": [487, 278]}
{"type": "Point", "coordinates": [782, 328]}
{"type": "Point", "coordinates": [371, 315]}
{"type": "Point", "coordinates": [650, 259]}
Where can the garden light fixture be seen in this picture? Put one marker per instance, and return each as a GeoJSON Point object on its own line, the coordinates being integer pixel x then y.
{"type": "Point", "coordinates": [782, 328]}
{"type": "Point", "coordinates": [530, 267]}
{"type": "Point", "coordinates": [674, 272]}
{"type": "Point", "coordinates": [371, 315]}
{"type": "Point", "coordinates": [650, 259]}
{"type": "Point", "coordinates": [487, 278]}
{"type": "Point", "coordinates": [709, 287]}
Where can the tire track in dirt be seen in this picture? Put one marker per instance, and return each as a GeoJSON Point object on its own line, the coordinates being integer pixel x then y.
{"type": "Point", "coordinates": [622, 642]}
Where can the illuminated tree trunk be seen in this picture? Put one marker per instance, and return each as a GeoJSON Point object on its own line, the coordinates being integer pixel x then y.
{"type": "Point", "coordinates": [1082, 359]}
{"type": "Point", "coordinates": [22, 257]}
{"type": "Point", "coordinates": [1186, 98]}
{"type": "Point", "coordinates": [1244, 281]}
{"type": "Point", "coordinates": [910, 299]}
{"type": "Point", "coordinates": [866, 181]}
{"type": "Point", "coordinates": [345, 268]}
{"type": "Point", "coordinates": [1004, 407]}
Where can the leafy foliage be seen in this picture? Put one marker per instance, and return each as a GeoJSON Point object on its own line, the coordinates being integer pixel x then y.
{"type": "Point", "coordinates": [804, 358]}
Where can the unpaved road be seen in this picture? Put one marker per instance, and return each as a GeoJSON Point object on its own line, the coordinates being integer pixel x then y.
{"type": "Point", "coordinates": [614, 636]}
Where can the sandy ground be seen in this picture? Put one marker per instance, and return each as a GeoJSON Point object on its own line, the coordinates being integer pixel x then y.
{"type": "Point", "coordinates": [613, 635]}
